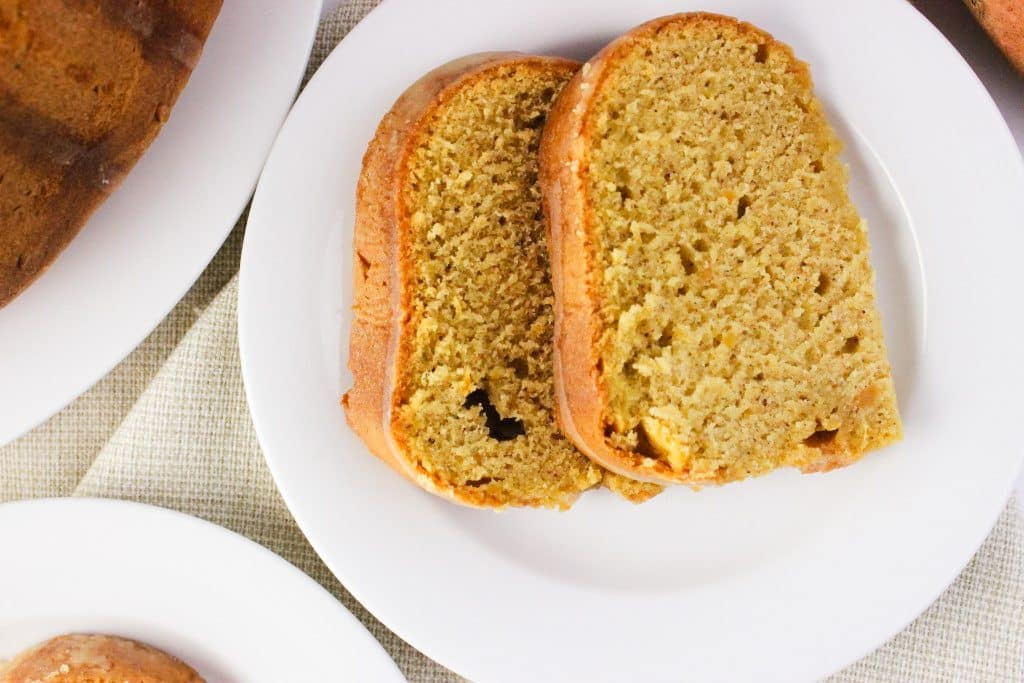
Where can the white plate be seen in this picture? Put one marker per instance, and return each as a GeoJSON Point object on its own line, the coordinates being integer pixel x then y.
{"type": "Point", "coordinates": [785, 578]}
{"type": "Point", "coordinates": [232, 609]}
{"type": "Point", "coordinates": [145, 246]}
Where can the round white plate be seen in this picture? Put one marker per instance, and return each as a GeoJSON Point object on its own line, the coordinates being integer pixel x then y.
{"type": "Point", "coordinates": [145, 246]}
{"type": "Point", "coordinates": [786, 578]}
{"type": "Point", "coordinates": [230, 608]}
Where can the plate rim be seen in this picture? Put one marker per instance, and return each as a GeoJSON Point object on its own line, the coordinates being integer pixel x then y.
{"type": "Point", "coordinates": [108, 509]}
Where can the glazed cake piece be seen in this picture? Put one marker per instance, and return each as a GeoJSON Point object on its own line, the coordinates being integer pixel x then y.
{"type": "Point", "coordinates": [85, 86]}
{"type": "Point", "coordinates": [715, 305]}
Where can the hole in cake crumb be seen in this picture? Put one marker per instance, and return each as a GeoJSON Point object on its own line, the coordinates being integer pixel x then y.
{"type": "Point", "coordinates": [851, 344]}
{"type": "Point", "coordinates": [821, 437]}
{"type": "Point", "coordinates": [502, 220]}
{"type": "Point", "coordinates": [817, 166]}
{"type": "Point", "coordinates": [364, 264]}
{"type": "Point", "coordinates": [644, 446]}
{"type": "Point", "coordinates": [520, 367]}
{"type": "Point", "coordinates": [824, 282]}
{"type": "Point", "coordinates": [741, 207]}
{"type": "Point", "coordinates": [533, 123]}
{"type": "Point", "coordinates": [701, 245]}
{"type": "Point", "coordinates": [547, 94]}
{"type": "Point", "coordinates": [761, 55]}
{"type": "Point", "coordinates": [608, 430]}
{"type": "Point", "coordinates": [682, 291]}
{"type": "Point", "coordinates": [628, 370]}
{"type": "Point", "coordinates": [759, 377]}
{"type": "Point", "coordinates": [686, 258]}
{"type": "Point", "coordinates": [482, 481]}
{"type": "Point", "coordinates": [499, 428]}
{"type": "Point", "coordinates": [624, 192]}
{"type": "Point", "coordinates": [666, 338]}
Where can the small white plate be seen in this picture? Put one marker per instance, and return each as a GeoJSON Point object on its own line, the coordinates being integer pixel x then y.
{"type": "Point", "coordinates": [784, 578]}
{"type": "Point", "coordinates": [146, 245]}
{"type": "Point", "coordinates": [230, 608]}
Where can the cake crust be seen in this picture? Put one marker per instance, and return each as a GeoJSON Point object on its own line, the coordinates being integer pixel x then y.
{"type": "Point", "coordinates": [1003, 20]}
{"type": "Point", "coordinates": [96, 659]}
{"type": "Point", "coordinates": [582, 397]}
{"type": "Point", "coordinates": [84, 89]}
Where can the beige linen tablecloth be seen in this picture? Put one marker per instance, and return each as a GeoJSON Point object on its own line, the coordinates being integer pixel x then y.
{"type": "Point", "coordinates": [170, 426]}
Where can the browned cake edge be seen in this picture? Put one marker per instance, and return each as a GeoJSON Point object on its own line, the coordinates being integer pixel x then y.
{"type": "Point", "coordinates": [380, 301]}
{"type": "Point", "coordinates": [579, 394]}
{"type": "Point", "coordinates": [1003, 20]}
{"type": "Point", "coordinates": [80, 657]}
{"type": "Point", "coordinates": [97, 171]}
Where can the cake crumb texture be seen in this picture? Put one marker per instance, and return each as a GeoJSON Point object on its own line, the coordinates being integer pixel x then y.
{"type": "Point", "coordinates": [731, 278]}
{"type": "Point", "coordinates": [474, 397]}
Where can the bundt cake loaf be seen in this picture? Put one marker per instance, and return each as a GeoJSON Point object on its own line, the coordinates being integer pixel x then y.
{"type": "Point", "coordinates": [84, 88]}
{"type": "Point", "coordinates": [715, 307]}
{"type": "Point", "coordinates": [95, 659]}
{"type": "Point", "coordinates": [450, 348]}
{"type": "Point", "coordinates": [1003, 20]}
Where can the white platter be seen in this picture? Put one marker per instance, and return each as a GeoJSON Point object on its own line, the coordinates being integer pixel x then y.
{"type": "Point", "coordinates": [146, 245]}
{"type": "Point", "coordinates": [786, 578]}
{"type": "Point", "coordinates": [230, 608]}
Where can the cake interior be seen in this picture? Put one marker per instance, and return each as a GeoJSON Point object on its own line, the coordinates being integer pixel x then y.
{"type": "Point", "coordinates": [474, 404]}
{"type": "Point", "coordinates": [734, 290]}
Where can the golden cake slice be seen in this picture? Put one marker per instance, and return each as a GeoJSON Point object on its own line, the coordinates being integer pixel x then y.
{"type": "Point", "coordinates": [95, 659]}
{"type": "Point", "coordinates": [450, 349]}
{"type": "Point", "coordinates": [85, 86]}
{"type": "Point", "coordinates": [715, 307]}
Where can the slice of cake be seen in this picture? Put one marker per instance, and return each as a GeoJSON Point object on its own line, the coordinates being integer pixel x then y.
{"type": "Point", "coordinates": [715, 308]}
{"type": "Point", "coordinates": [84, 88]}
{"type": "Point", "coordinates": [451, 345]}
